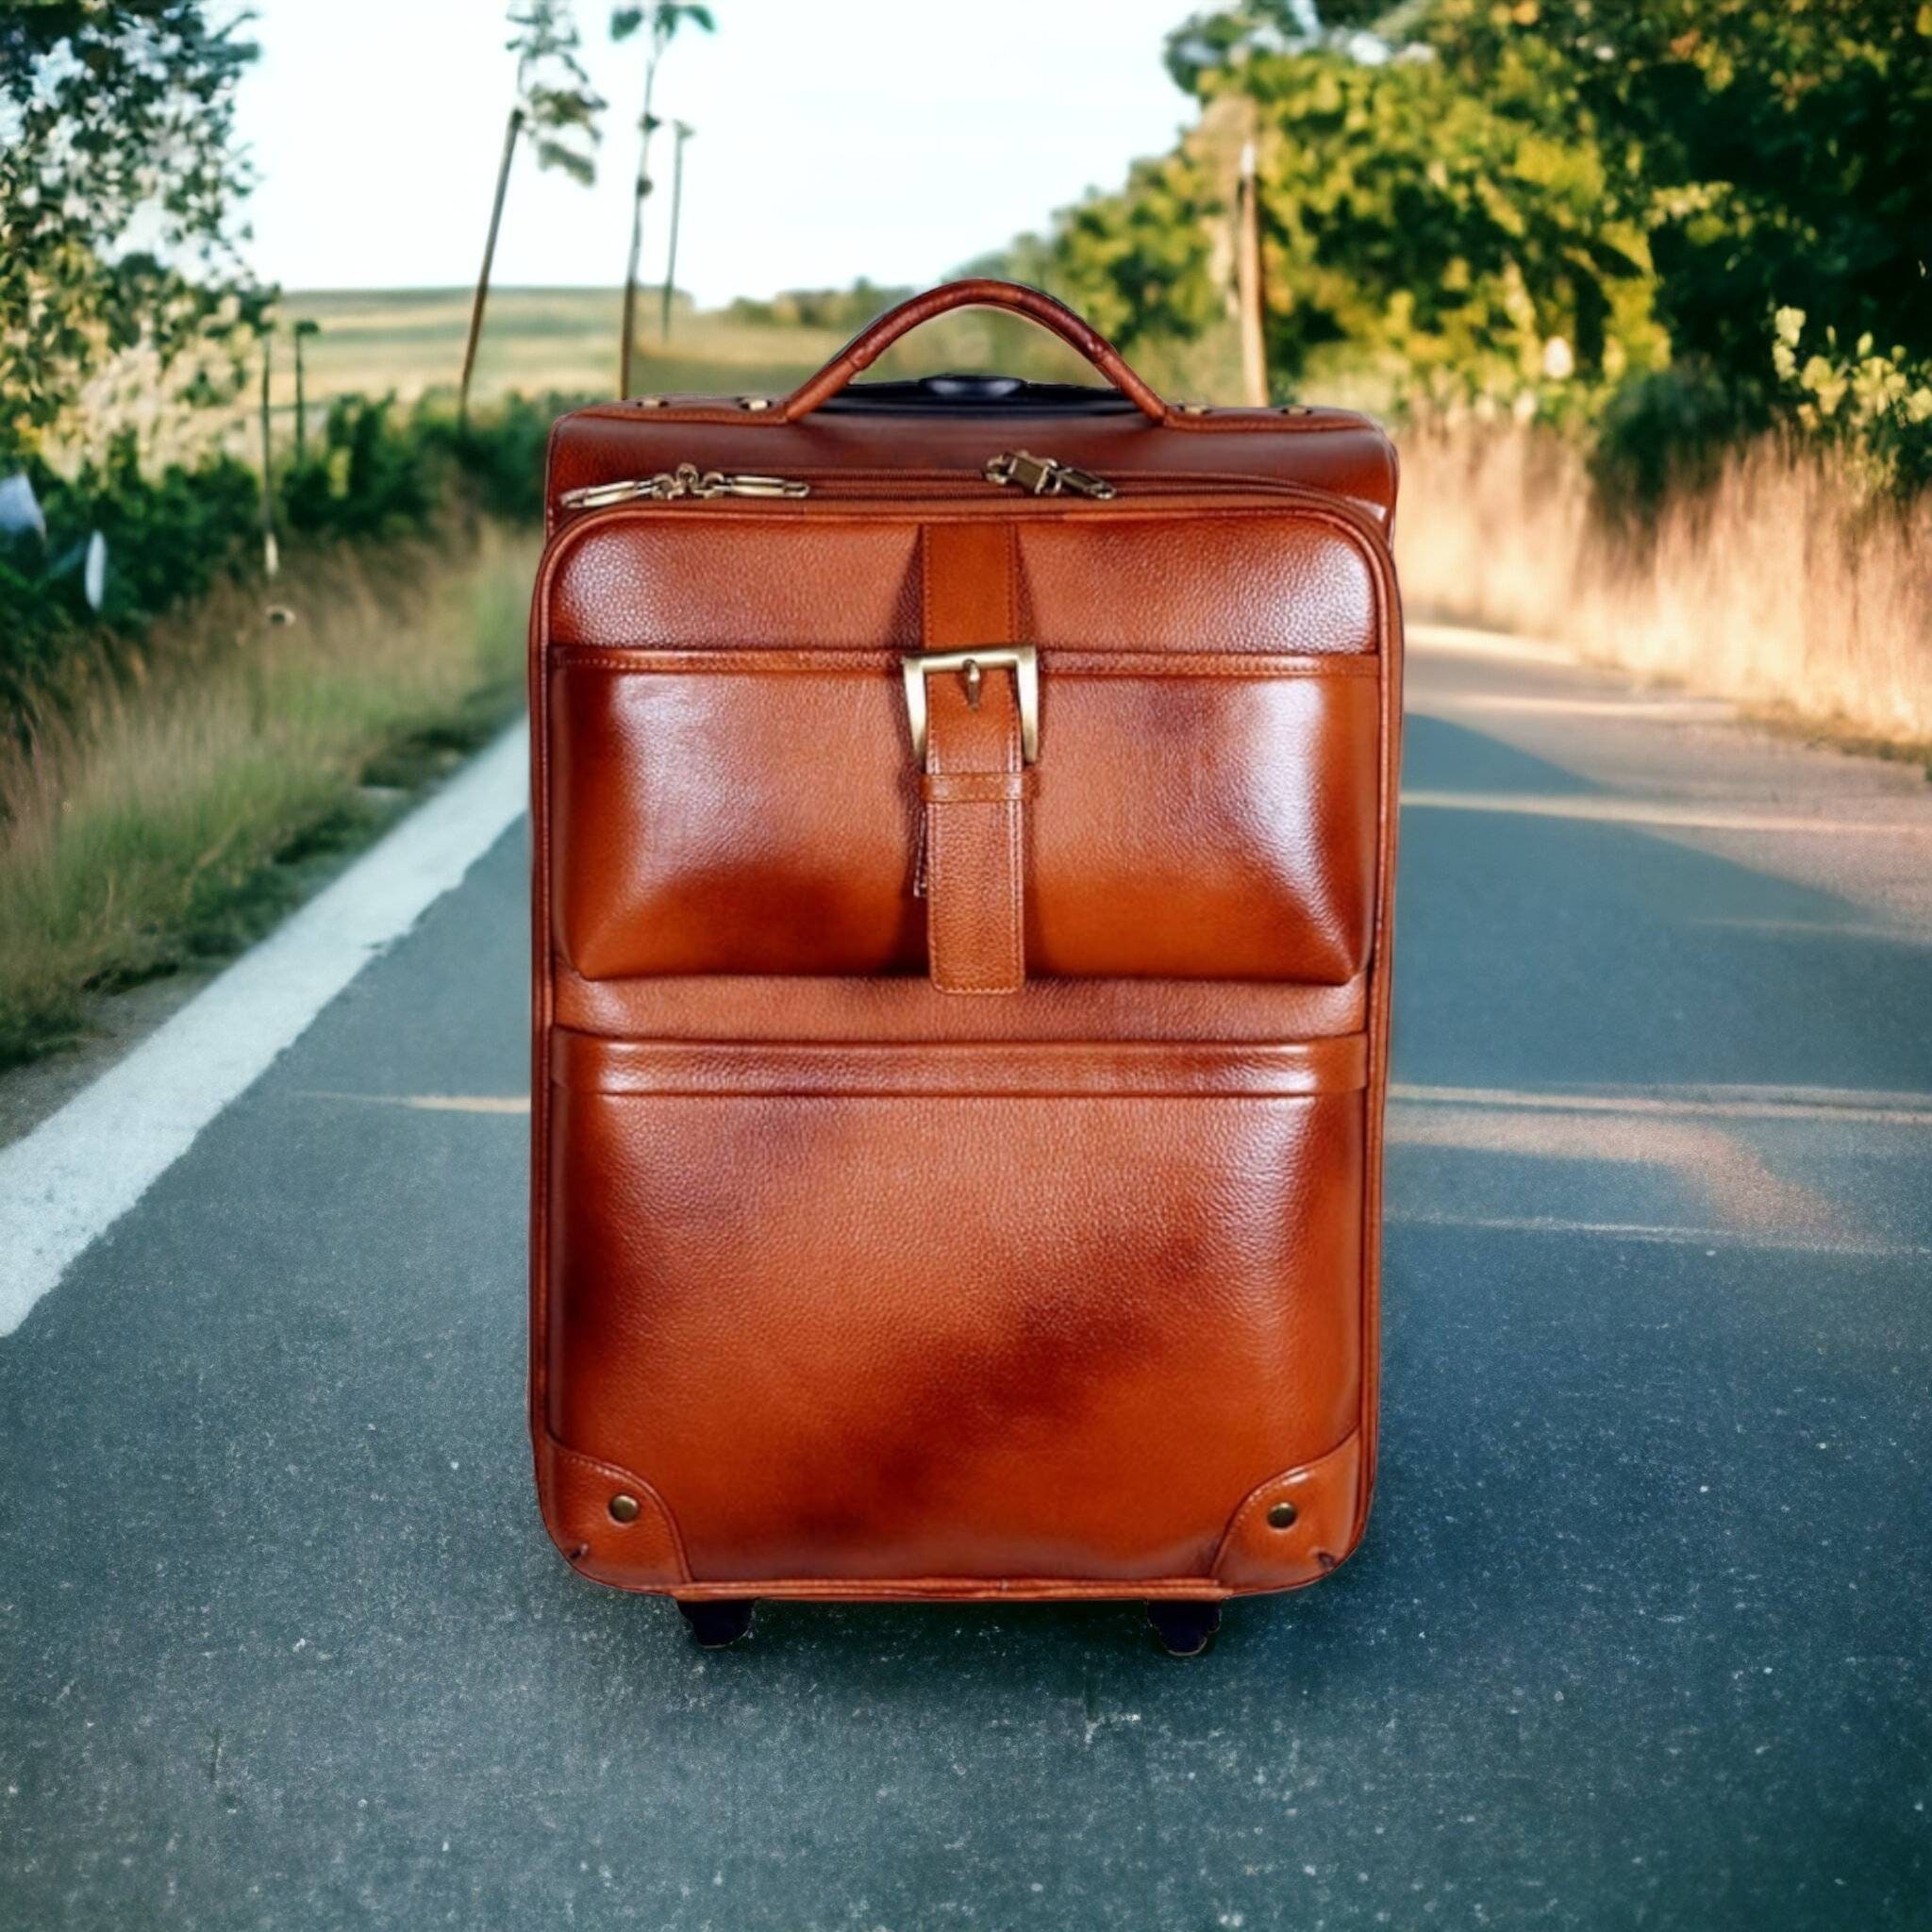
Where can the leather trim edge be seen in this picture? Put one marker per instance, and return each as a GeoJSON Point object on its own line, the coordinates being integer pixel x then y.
{"type": "Point", "coordinates": [1254, 1555]}
{"type": "Point", "coordinates": [574, 1491]}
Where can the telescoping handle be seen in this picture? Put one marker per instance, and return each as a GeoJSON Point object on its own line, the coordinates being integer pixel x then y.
{"type": "Point", "coordinates": [980, 292]}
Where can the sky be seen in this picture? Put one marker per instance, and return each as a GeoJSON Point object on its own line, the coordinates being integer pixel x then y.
{"type": "Point", "coordinates": [893, 139]}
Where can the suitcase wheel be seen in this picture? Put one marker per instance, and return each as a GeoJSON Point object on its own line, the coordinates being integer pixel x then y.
{"type": "Point", "coordinates": [1184, 1629]}
{"type": "Point", "coordinates": [717, 1623]}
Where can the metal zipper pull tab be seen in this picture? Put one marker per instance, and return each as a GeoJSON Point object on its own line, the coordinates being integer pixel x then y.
{"type": "Point", "coordinates": [674, 486]}
{"type": "Point", "coordinates": [713, 483]}
{"type": "Point", "coordinates": [1044, 475]}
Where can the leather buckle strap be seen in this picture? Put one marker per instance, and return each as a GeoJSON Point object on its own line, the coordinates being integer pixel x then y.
{"type": "Point", "coordinates": [976, 737]}
{"type": "Point", "coordinates": [973, 787]}
{"type": "Point", "coordinates": [1021, 659]}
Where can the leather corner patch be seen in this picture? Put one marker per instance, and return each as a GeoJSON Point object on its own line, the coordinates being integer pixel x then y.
{"type": "Point", "coordinates": [609, 1523]}
{"type": "Point", "coordinates": [1295, 1527]}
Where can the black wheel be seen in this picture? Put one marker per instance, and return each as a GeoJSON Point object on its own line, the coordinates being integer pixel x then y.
{"type": "Point", "coordinates": [1184, 1629]}
{"type": "Point", "coordinates": [718, 1622]}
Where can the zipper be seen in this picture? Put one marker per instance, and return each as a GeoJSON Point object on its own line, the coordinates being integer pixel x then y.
{"type": "Point", "coordinates": [1044, 475]}
{"type": "Point", "coordinates": [888, 488]}
{"type": "Point", "coordinates": [1035, 476]}
{"type": "Point", "coordinates": [1020, 469]}
{"type": "Point", "coordinates": [671, 486]}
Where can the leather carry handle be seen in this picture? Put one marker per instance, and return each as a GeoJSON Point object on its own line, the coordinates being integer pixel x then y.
{"type": "Point", "coordinates": [872, 341]}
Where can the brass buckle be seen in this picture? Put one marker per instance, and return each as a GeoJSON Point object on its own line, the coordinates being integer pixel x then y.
{"type": "Point", "coordinates": [1020, 660]}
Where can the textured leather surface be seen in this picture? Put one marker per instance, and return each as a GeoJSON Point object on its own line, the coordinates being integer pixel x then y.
{"type": "Point", "coordinates": [1243, 846]}
{"type": "Point", "coordinates": [858, 1333]}
{"type": "Point", "coordinates": [849, 1285]}
{"type": "Point", "coordinates": [1119, 576]}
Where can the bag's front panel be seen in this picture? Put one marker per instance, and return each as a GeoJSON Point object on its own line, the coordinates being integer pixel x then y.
{"type": "Point", "coordinates": [1045, 1269]}
{"type": "Point", "coordinates": [740, 798]}
{"type": "Point", "coordinates": [1028, 1312]}
{"type": "Point", "coordinates": [1241, 844]}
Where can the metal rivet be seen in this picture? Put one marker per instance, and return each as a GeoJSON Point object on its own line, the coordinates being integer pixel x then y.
{"type": "Point", "coordinates": [650, 402]}
{"type": "Point", "coordinates": [1281, 1517]}
{"type": "Point", "coordinates": [623, 1509]}
{"type": "Point", "coordinates": [754, 402]}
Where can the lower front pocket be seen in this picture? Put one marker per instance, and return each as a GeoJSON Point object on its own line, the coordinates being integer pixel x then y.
{"type": "Point", "coordinates": [976, 1310]}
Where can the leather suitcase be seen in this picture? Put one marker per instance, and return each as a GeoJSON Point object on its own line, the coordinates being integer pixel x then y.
{"type": "Point", "coordinates": [965, 827]}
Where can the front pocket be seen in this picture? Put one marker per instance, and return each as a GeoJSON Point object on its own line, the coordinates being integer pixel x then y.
{"type": "Point", "coordinates": [989, 1310]}
{"type": "Point", "coordinates": [1194, 815]}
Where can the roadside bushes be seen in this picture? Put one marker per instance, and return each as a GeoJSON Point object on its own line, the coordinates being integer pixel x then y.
{"type": "Point", "coordinates": [375, 475]}
{"type": "Point", "coordinates": [169, 538]}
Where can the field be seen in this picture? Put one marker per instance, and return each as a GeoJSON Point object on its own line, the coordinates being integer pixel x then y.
{"type": "Point", "coordinates": [536, 341]}
{"type": "Point", "coordinates": [563, 341]}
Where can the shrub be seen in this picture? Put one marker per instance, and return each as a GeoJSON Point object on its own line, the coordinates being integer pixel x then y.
{"type": "Point", "coordinates": [377, 476]}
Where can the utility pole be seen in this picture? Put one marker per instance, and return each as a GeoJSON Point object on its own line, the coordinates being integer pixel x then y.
{"type": "Point", "coordinates": [683, 131]}
{"type": "Point", "coordinates": [647, 126]}
{"type": "Point", "coordinates": [510, 148]}
{"type": "Point", "coordinates": [304, 329]}
{"type": "Point", "coordinates": [1247, 260]}
{"type": "Point", "coordinates": [270, 554]}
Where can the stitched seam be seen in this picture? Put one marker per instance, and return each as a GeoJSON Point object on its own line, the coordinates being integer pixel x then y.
{"type": "Point", "coordinates": [840, 662]}
{"type": "Point", "coordinates": [1098, 1589]}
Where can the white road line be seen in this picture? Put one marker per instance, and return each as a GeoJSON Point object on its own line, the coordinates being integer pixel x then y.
{"type": "Point", "coordinates": [518, 1104]}
{"type": "Point", "coordinates": [1638, 811]}
{"type": "Point", "coordinates": [81, 1170]}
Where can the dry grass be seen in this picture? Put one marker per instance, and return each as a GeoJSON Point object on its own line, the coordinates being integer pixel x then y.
{"type": "Point", "coordinates": [1781, 586]}
{"type": "Point", "coordinates": [177, 817]}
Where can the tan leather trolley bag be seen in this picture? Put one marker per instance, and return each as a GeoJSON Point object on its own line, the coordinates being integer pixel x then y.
{"type": "Point", "coordinates": [965, 823]}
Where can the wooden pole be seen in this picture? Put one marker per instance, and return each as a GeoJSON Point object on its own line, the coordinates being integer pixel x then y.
{"type": "Point", "coordinates": [1248, 283]}
{"type": "Point", "coordinates": [683, 134]}
{"type": "Point", "coordinates": [647, 126]}
{"type": "Point", "coordinates": [270, 556]}
{"type": "Point", "coordinates": [301, 397]}
{"type": "Point", "coordinates": [510, 148]}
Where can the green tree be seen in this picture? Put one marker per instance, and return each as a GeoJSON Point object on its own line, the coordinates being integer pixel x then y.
{"type": "Point", "coordinates": [1772, 153]}
{"type": "Point", "coordinates": [554, 102]}
{"type": "Point", "coordinates": [1461, 238]}
{"type": "Point", "coordinates": [658, 23]}
{"type": "Point", "coordinates": [115, 116]}
{"type": "Point", "coordinates": [1139, 263]}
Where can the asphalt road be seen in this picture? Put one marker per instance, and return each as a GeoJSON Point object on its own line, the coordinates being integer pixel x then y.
{"type": "Point", "coordinates": [1639, 1636]}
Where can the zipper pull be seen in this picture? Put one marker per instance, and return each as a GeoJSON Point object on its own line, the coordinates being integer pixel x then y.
{"type": "Point", "coordinates": [1044, 475]}
{"type": "Point", "coordinates": [712, 483]}
{"type": "Point", "coordinates": [672, 486]}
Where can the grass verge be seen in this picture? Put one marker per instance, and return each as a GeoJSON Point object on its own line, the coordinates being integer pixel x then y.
{"type": "Point", "coordinates": [1782, 586]}
{"type": "Point", "coordinates": [175, 817]}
